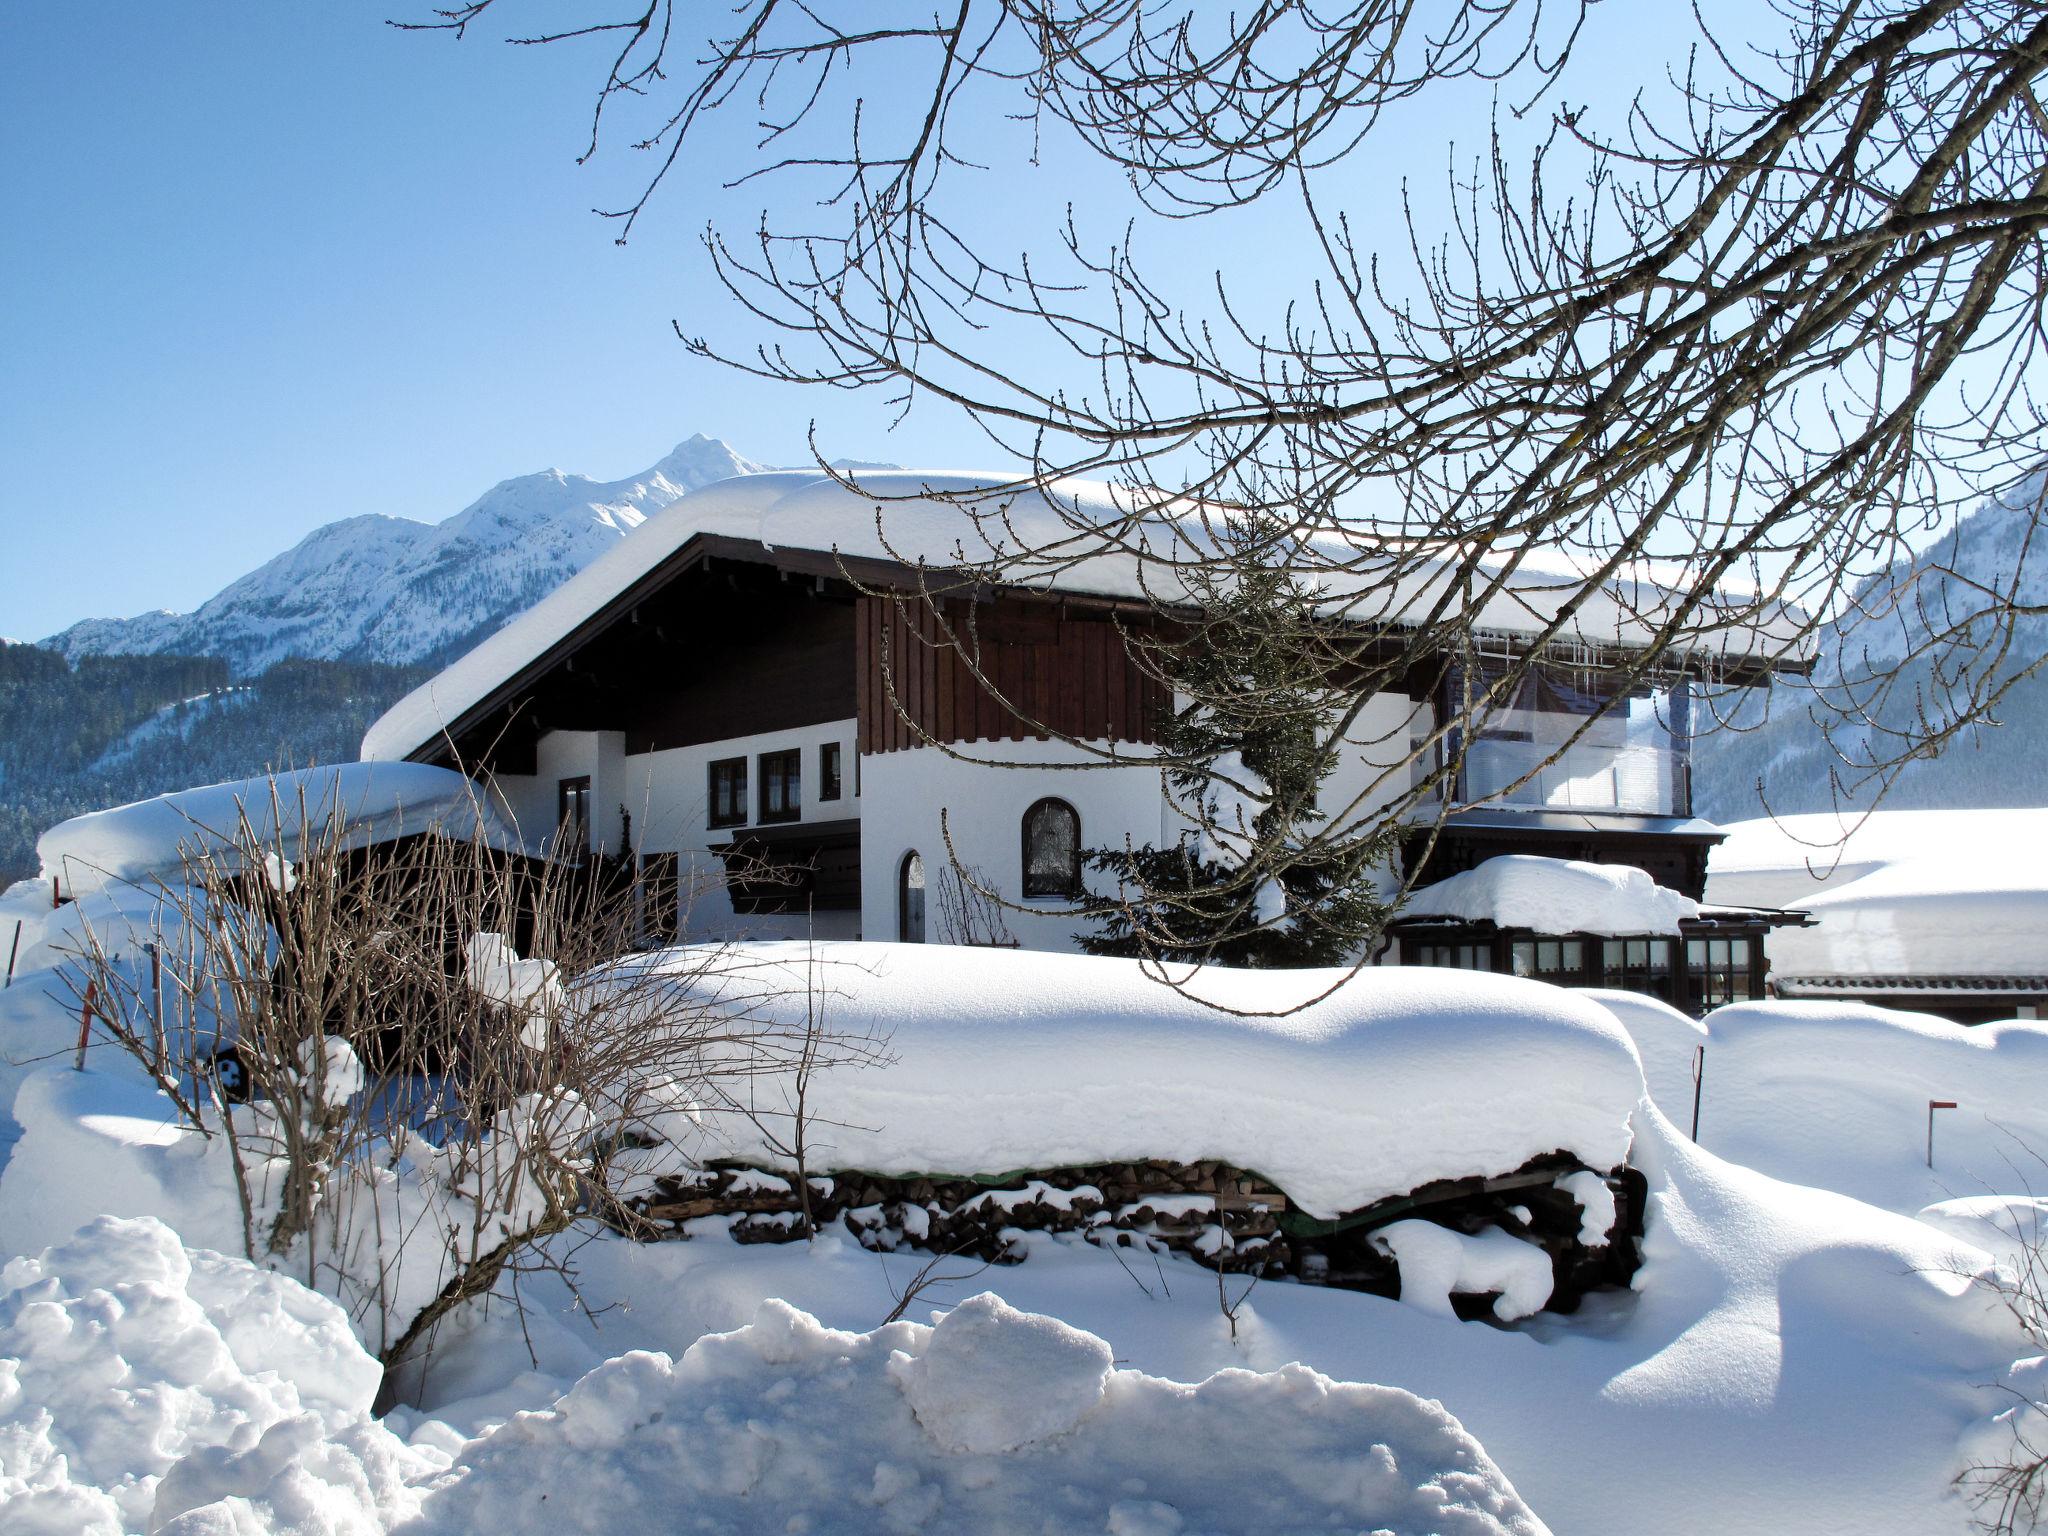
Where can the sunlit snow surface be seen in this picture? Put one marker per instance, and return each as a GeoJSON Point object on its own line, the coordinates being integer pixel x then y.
{"type": "Point", "coordinates": [1790, 1359]}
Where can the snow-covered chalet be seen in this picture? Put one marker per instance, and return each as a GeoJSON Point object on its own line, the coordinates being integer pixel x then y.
{"type": "Point", "coordinates": [715, 691]}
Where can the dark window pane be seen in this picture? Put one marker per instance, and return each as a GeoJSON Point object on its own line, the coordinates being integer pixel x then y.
{"type": "Point", "coordinates": [910, 899]}
{"type": "Point", "coordinates": [781, 786]}
{"type": "Point", "coordinates": [1052, 849]}
{"type": "Point", "coordinates": [828, 771]}
{"type": "Point", "coordinates": [728, 792]}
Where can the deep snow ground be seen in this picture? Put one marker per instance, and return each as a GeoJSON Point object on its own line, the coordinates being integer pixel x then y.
{"type": "Point", "coordinates": [1791, 1359]}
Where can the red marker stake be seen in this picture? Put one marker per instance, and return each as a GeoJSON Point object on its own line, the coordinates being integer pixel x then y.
{"type": "Point", "coordinates": [1932, 1106]}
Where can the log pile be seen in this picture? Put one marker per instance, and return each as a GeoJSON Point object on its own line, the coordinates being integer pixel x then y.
{"type": "Point", "coordinates": [1223, 1217]}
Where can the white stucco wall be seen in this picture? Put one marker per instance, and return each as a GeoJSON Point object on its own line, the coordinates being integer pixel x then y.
{"type": "Point", "coordinates": [915, 798]}
{"type": "Point", "coordinates": [1374, 769]}
{"type": "Point", "coordinates": [906, 800]}
{"type": "Point", "coordinates": [668, 795]}
{"type": "Point", "coordinates": [665, 794]}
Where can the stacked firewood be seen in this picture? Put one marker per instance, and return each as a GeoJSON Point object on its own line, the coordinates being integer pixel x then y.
{"type": "Point", "coordinates": [1221, 1216]}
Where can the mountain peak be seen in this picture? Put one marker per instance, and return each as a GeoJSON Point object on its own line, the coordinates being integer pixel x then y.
{"type": "Point", "coordinates": [377, 588]}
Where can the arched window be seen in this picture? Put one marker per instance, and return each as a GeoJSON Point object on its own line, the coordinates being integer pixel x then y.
{"type": "Point", "coordinates": [1052, 849]}
{"type": "Point", "coordinates": [910, 898]}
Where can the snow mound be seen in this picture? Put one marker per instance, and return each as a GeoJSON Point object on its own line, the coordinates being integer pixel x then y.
{"type": "Point", "coordinates": [1005, 1060]}
{"type": "Point", "coordinates": [141, 1382]}
{"type": "Point", "coordinates": [1054, 1376]}
{"type": "Point", "coordinates": [1836, 1095]}
{"type": "Point", "coordinates": [788, 1425]}
{"type": "Point", "coordinates": [1665, 1039]}
{"type": "Point", "coordinates": [150, 840]}
{"type": "Point", "coordinates": [1525, 890]}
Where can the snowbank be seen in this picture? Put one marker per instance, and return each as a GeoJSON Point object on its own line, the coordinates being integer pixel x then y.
{"type": "Point", "coordinates": [994, 1420]}
{"type": "Point", "coordinates": [1521, 890]}
{"type": "Point", "coordinates": [1896, 892]}
{"type": "Point", "coordinates": [1836, 1095]}
{"type": "Point", "coordinates": [141, 1382]}
{"type": "Point", "coordinates": [150, 840]}
{"type": "Point", "coordinates": [1792, 1360]}
{"type": "Point", "coordinates": [1665, 1039]}
{"type": "Point", "coordinates": [1009, 1060]}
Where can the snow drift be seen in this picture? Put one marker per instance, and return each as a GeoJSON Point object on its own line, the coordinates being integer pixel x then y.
{"type": "Point", "coordinates": [141, 1382]}
{"type": "Point", "coordinates": [994, 1420]}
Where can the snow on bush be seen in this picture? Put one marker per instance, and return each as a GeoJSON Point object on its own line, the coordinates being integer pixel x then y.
{"type": "Point", "coordinates": [994, 1420]}
{"type": "Point", "coordinates": [1436, 1261]}
{"type": "Point", "coordinates": [141, 1382]}
{"type": "Point", "coordinates": [530, 988]}
{"type": "Point", "coordinates": [92, 1142]}
{"type": "Point", "coordinates": [1003, 1060]}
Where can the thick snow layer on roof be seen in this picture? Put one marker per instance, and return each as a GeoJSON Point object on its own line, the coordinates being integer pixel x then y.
{"type": "Point", "coordinates": [1523, 890]}
{"type": "Point", "coordinates": [1007, 1059]}
{"type": "Point", "coordinates": [150, 840]}
{"type": "Point", "coordinates": [1898, 893]}
{"type": "Point", "coordinates": [1074, 535]}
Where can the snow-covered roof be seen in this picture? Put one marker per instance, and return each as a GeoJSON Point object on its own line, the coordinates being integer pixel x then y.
{"type": "Point", "coordinates": [1897, 893]}
{"type": "Point", "coordinates": [1005, 1059]}
{"type": "Point", "coordinates": [150, 840]}
{"type": "Point", "coordinates": [1521, 890]}
{"type": "Point", "coordinates": [1039, 537]}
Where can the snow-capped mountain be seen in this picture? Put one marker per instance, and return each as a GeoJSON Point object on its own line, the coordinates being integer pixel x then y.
{"type": "Point", "coordinates": [386, 589]}
{"type": "Point", "coordinates": [1996, 554]}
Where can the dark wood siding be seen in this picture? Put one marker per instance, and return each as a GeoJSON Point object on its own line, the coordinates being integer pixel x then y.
{"type": "Point", "coordinates": [1055, 670]}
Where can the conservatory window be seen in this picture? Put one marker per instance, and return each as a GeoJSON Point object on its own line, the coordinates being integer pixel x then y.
{"type": "Point", "coordinates": [1636, 965]}
{"type": "Point", "coordinates": [1052, 849]}
{"type": "Point", "coordinates": [1573, 738]}
{"type": "Point", "coordinates": [1719, 970]}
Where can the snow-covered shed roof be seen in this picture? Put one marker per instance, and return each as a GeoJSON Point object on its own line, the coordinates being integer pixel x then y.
{"type": "Point", "coordinates": [1520, 890]}
{"type": "Point", "coordinates": [1897, 893]}
{"type": "Point", "coordinates": [151, 840]}
{"type": "Point", "coordinates": [1038, 537]}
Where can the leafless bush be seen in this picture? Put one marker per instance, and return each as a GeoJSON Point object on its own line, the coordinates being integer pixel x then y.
{"type": "Point", "coordinates": [969, 911]}
{"type": "Point", "coordinates": [444, 1047]}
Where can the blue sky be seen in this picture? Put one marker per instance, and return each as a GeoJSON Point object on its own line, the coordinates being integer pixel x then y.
{"type": "Point", "coordinates": [264, 266]}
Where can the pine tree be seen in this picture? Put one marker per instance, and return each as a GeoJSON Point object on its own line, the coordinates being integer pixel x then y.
{"type": "Point", "coordinates": [1253, 881]}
